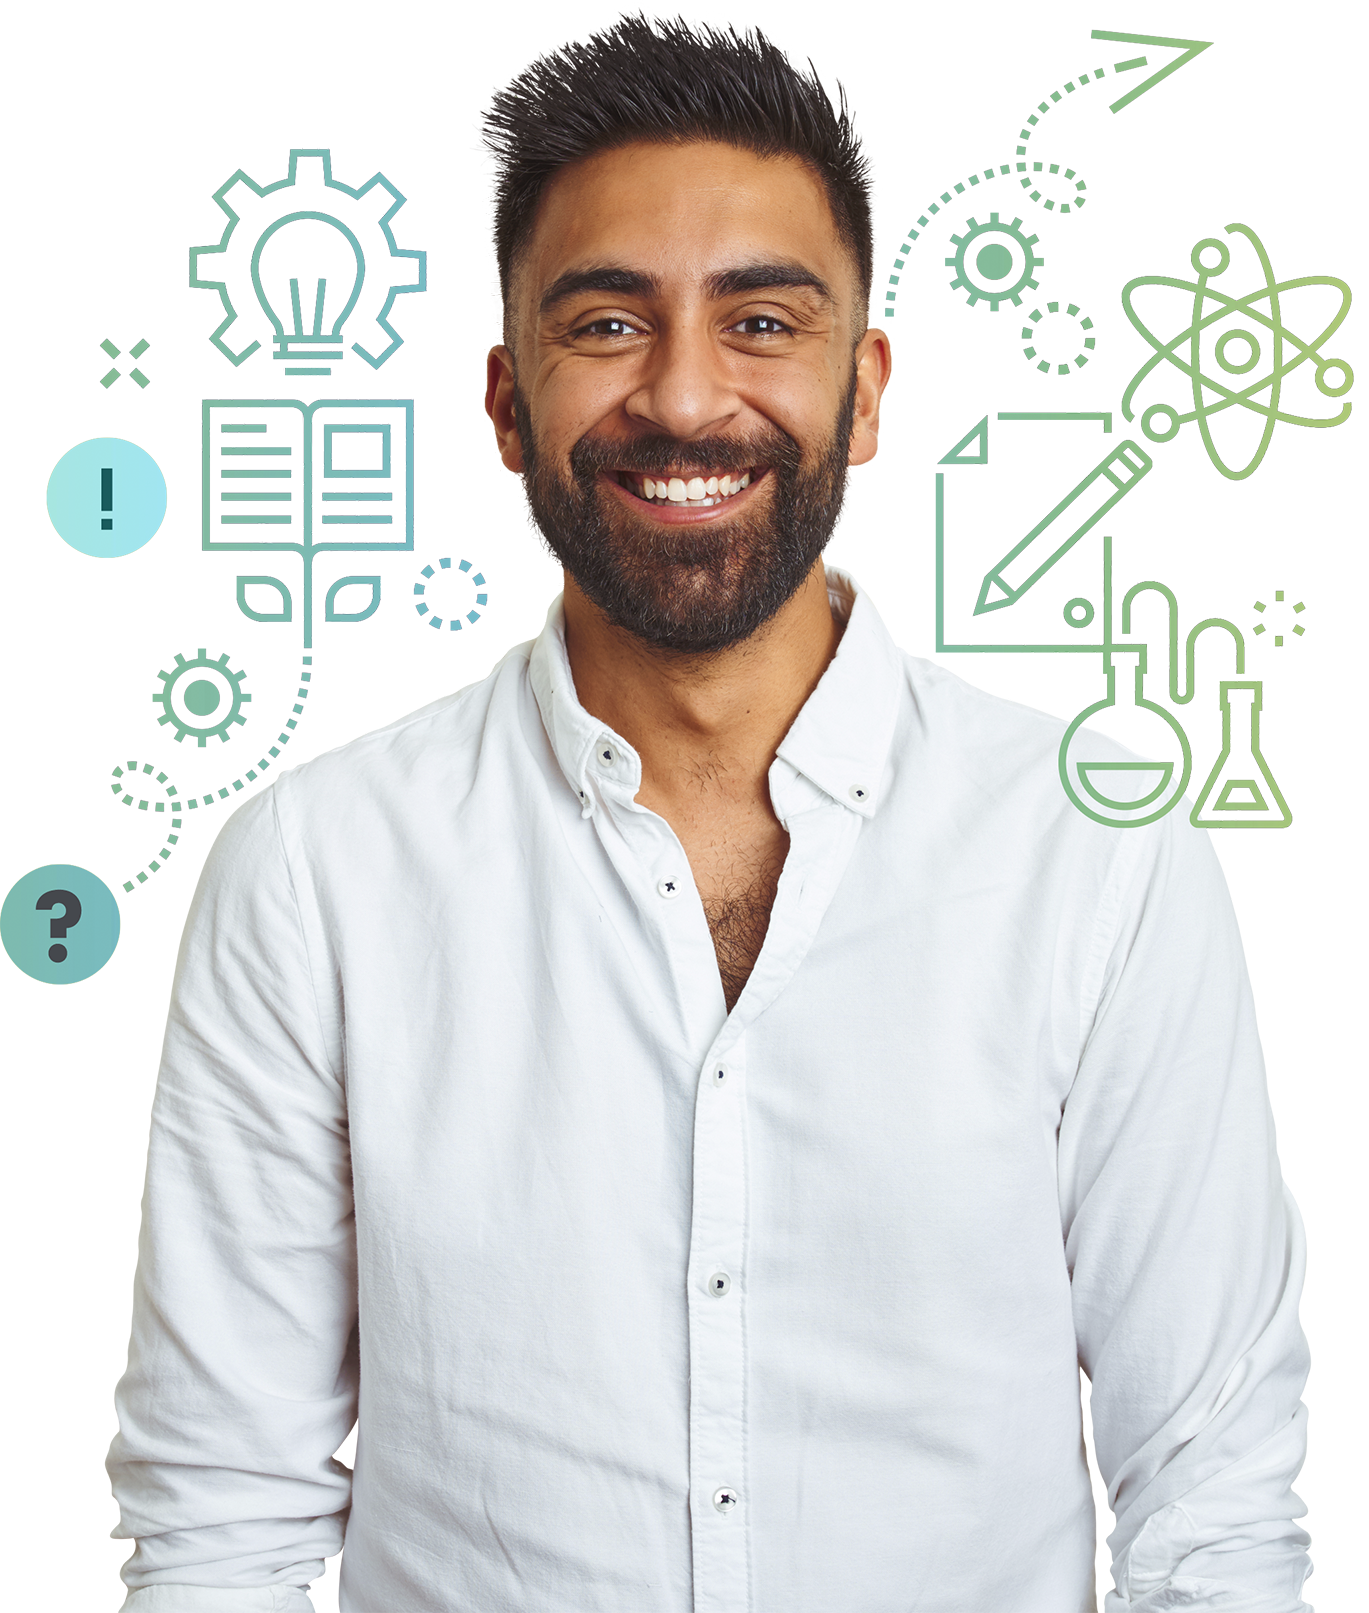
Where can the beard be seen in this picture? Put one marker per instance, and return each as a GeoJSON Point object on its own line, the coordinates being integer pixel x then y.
{"type": "Point", "coordinates": [689, 589]}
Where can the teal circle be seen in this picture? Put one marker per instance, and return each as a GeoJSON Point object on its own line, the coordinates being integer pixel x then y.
{"type": "Point", "coordinates": [1084, 609]}
{"type": "Point", "coordinates": [994, 261]}
{"type": "Point", "coordinates": [201, 698]}
{"type": "Point", "coordinates": [27, 930]}
{"type": "Point", "coordinates": [137, 497]}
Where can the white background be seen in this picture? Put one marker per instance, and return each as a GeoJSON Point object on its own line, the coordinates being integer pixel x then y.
{"type": "Point", "coordinates": [158, 104]}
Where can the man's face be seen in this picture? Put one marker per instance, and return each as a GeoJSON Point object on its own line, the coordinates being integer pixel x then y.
{"type": "Point", "coordinates": [685, 388]}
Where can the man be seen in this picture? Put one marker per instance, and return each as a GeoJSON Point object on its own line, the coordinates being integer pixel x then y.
{"type": "Point", "coordinates": [697, 1097]}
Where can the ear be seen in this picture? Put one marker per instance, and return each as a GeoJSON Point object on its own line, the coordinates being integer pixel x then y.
{"type": "Point", "coordinates": [873, 361]}
{"type": "Point", "coordinates": [499, 407]}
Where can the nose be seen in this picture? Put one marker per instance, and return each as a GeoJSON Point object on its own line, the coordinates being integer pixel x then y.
{"type": "Point", "coordinates": [684, 390]}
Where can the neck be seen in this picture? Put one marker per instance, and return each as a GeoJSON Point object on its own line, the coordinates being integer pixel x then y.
{"type": "Point", "coordinates": [706, 724]}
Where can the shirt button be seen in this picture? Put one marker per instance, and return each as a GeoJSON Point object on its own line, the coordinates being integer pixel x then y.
{"type": "Point", "coordinates": [858, 792]}
{"type": "Point", "coordinates": [668, 888]}
{"type": "Point", "coordinates": [718, 1284]}
{"type": "Point", "coordinates": [606, 754]}
{"type": "Point", "coordinates": [719, 1075]}
{"type": "Point", "coordinates": [725, 1498]}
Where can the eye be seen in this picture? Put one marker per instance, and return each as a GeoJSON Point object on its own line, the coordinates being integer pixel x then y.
{"type": "Point", "coordinates": [607, 327]}
{"type": "Point", "coordinates": [761, 325]}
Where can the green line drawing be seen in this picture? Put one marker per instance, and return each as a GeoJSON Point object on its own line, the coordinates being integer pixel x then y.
{"type": "Point", "coordinates": [1234, 350]}
{"type": "Point", "coordinates": [455, 624]}
{"type": "Point", "coordinates": [1182, 689]}
{"type": "Point", "coordinates": [978, 436]}
{"type": "Point", "coordinates": [135, 352]}
{"type": "Point", "coordinates": [201, 699]}
{"type": "Point", "coordinates": [1261, 627]}
{"type": "Point", "coordinates": [1023, 566]}
{"type": "Point", "coordinates": [1247, 800]}
{"type": "Point", "coordinates": [1104, 418]}
{"type": "Point", "coordinates": [1190, 50]}
{"type": "Point", "coordinates": [1124, 673]}
{"type": "Point", "coordinates": [331, 613]}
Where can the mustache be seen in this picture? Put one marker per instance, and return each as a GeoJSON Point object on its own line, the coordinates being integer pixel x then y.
{"type": "Point", "coordinates": [659, 454]}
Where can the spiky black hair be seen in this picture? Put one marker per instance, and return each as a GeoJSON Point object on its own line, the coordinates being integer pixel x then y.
{"type": "Point", "coordinates": [663, 81]}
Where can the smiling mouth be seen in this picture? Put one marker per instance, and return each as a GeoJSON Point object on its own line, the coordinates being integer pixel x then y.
{"type": "Point", "coordinates": [687, 492]}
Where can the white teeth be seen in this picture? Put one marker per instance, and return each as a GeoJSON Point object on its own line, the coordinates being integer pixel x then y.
{"type": "Point", "coordinates": [697, 490]}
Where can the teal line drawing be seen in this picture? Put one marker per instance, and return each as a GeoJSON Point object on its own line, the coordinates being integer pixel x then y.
{"type": "Point", "coordinates": [976, 437]}
{"type": "Point", "coordinates": [1055, 192]}
{"type": "Point", "coordinates": [1024, 565]}
{"type": "Point", "coordinates": [1240, 792]}
{"type": "Point", "coordinates": [425, 611]}
{"type": "Point", "coordinates": [201, 699]}
{"type": "Point", "coordinates": [60, 924]}
{"type": "Point", "coordinates": [135, 352]}
{"type": "Point", "coordinates": [1297, 630]}
{"type": "Point", "coordinates": [307, 271]}
{"type": "Point", "coordinates": [307, 479]}
{"type": "Point", "coordinates": [994, 255]}
{"type": "Point", "coordinates": [1053, 310]}
{"type": "Point", "coordinates": [1104, 419]}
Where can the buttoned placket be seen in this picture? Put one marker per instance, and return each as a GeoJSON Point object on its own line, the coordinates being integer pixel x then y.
{"type": "Point", "coordinates": [651, 862]}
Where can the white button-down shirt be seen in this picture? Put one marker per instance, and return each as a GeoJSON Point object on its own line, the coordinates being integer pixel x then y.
{"type": "Point", "coordinates": [644, 1307]}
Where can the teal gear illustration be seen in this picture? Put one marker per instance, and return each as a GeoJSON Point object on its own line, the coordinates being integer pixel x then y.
{"type": "Point", "coordinates": [986, 258]}
{"type": "Point", "coordinates": [995, 258]}
{"type": "Point", "coordinates": [307, 266]}
{"type": "Point", "coordinates": [201, 698]}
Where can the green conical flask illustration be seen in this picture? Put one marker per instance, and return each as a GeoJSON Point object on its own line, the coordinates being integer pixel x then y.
{"type": "Point", "coordinates": [1240, 791]}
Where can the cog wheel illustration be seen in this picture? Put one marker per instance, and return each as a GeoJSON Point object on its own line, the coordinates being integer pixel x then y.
{"type": "Point", "coordinates": [201, 698]}
{"type": "Point", "coordinates": [986, 258]}
{"type": "Point", "coordinates": [450, 596]}
{"type": "Point", "coordinates": [1053, 310]}
{"type": "Point", "coordinates": [308, 268]}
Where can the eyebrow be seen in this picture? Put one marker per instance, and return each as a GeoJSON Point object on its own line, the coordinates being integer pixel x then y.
{"type": "Point", "coordinates": [767, 277]}
{"type": "Point", "coordinates": [625, 282]}
{"type": "Point", "coordinates": [722, 283]}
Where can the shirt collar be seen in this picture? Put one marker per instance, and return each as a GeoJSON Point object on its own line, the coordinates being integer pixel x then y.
{"type": "Point", "coordinates": [840, 739]}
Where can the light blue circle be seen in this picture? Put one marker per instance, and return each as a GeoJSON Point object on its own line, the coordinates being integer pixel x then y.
{"type": "Point", "coordinates": [137, 497]}
{"type": "Point", "coordinates": [32, 934]}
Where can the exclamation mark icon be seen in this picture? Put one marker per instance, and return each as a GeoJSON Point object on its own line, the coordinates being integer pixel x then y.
{"type": "Point", "coordinates": [107, 498]}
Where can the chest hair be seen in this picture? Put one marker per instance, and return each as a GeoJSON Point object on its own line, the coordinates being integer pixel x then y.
{"type": "Point", "coordinates": [738, 913]}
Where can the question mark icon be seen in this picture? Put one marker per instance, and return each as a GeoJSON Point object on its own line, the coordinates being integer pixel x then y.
{"type": "Point", "coordinates": [58, 927]}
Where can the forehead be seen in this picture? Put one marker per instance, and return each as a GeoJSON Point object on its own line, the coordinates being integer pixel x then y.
{"type": "Point", "coordinates": [681, 212]}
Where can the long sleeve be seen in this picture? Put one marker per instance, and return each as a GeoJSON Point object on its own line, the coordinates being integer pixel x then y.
{"type": "Point", "coordinates": [241, 1379]}
{"type": "Point", "coordinates": [1185, 1251]}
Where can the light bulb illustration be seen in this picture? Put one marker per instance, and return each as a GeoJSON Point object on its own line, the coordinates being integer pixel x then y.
{"type": "Point", "coordinates": [308, 271]}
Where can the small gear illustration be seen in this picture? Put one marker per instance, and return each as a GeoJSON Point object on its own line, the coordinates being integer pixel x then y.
{"type": "Point", "coordinates": [1053, 310]}
{"type": "Point", "coordinates": [450, 596]}
{"type": "Point", "coordinates": [201, 698]}
{"type": "Point", "coordinates": [997, 257]}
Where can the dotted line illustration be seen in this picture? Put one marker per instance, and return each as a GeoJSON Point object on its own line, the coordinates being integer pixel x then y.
{"type": "Point", "coordinates": [1034, 176]}
{"type": "Point", "coordinates": [1053, 310]}
{"type": "Point", "coordinates": [1298, 609]}
{"type": "Point", "coordinates": [205, 807]}
{"type": "Point", "coordinates": [450, 596]}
